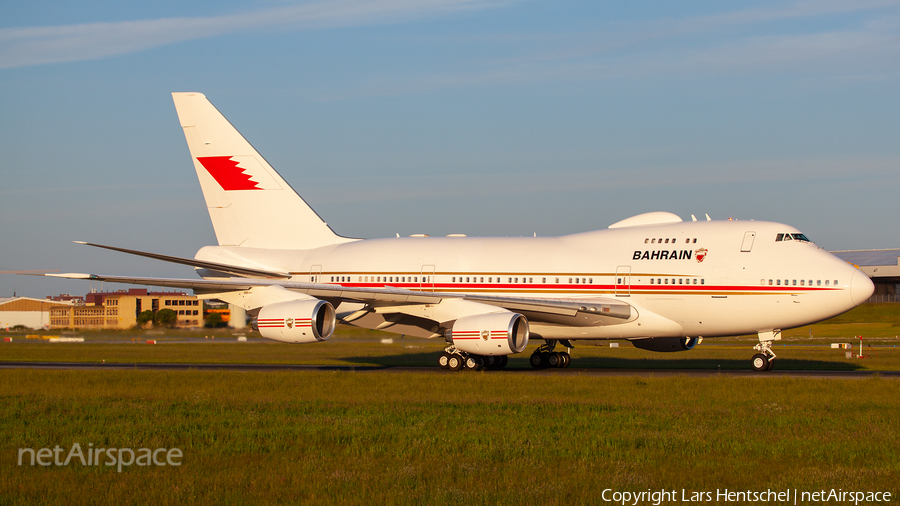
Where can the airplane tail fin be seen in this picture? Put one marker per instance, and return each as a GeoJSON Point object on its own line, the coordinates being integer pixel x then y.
{"type": "Point", "coordinates": [249, 203]}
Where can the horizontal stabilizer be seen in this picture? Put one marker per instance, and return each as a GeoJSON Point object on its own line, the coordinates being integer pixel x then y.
{"type": "Point", "coordinates": [228, 269]}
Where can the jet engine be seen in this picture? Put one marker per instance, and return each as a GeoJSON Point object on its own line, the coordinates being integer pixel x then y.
{"type": "Point", "coordinates": [665, 344]}
{"type": "Point", "coordinates": [296, 321]}
{"type": "Point", "coordinates": [491, 334]}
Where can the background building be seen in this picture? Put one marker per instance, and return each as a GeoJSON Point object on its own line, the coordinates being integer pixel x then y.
{"type": "Point", "coordinates": [882, 265]}
{"type": "Point", "coordinates": [28, 312]}
{"type": "Point", "coordinates": [120, 309]}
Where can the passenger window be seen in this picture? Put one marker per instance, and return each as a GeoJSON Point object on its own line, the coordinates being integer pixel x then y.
{"type": "Point", "coordinates": [570, 281]}
{"type": "Point", "coordinates": [695, 281]}
{"type": "Point", "coordinates": [702, 281]}
{"type": "Point", "coordinates": [557, 280]}
{"type": "Point", "coordinates": [826, 282]}
{"type": "Point", "coordinates": [818, 282]}
{"type": "Point", "coordinates": [667, 281]}
{"type": "Point", "coordinates": [651, 281]}
{"type": "Point", "coordinates": [794, 282]}
{"type": "Point", "coordinates": [531, 280]}
{"type": "Point", "coordinates": [695, 240]}
{"type": "Point", "coordinates": [576, 281]}
{"type": "Point", "coordinates": [667, 240]}
{"type": "Point", "coordinates": [653, 241]}
{"type": "Point", "coordinates": [680, 281]}
{"type": "Point", "coordinates": [835, 283]}
{"type": "Point", "coordinates": [646, 241]}
{"type": "Point", "coordinates": [762, 281]}
{"type": "Point", "coordinates": [543, 280]}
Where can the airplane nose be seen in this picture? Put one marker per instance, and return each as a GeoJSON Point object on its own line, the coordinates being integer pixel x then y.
{"type": "Point", "coordinates": [861, 288]}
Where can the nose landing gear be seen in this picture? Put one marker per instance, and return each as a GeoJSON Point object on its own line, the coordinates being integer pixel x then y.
{"type": "Point", "coordinates": [765, 359]}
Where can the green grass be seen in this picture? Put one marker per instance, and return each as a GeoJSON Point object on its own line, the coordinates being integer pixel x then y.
{"type": "Point", "coordinates": [410, 438]}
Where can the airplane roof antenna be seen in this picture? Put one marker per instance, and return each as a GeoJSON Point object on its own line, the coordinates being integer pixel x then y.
{"type": "Point", "coordinates": [708, 218]}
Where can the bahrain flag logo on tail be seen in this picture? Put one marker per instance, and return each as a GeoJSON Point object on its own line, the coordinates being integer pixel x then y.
{"type": "Point", "coordinates": [238, 173]}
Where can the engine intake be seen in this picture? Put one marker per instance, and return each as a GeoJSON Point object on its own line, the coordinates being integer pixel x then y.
{"type": "Point", "coordinates": [491, 334]}
{"type": "Point", "coordinates": [665, 344]}
{"type": "Point", "coordinates": [296, 321]}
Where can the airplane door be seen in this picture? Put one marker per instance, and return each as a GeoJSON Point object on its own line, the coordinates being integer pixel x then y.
{"type": "Point", "coordinates": [427, 280]}
{"type": "Point", "coordinates": [623, 281]}
{"type": "Point", "coordinates": [747, 245]}
{"type": "Point", "coordinates": [314, 272]}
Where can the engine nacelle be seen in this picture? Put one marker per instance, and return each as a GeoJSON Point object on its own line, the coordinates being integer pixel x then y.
{"type": "Point", "coordinates": [491, 334]}
{"type": "Point", "coordinates": [296, 321]}
{"type": "Point", "coordinates": [665, 344]}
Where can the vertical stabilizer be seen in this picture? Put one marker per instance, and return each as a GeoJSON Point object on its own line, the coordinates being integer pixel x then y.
{"type": "Point", "coordinates": [249, 203]}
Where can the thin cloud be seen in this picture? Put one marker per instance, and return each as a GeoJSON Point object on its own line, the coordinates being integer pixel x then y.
{"type": "Point", "coordinates": [21, 47]}
{"type": "Point", "coordinates": [728, 44]}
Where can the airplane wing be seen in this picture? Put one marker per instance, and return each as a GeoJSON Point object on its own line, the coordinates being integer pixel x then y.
{"type": "Point", "coordinates": [592, 311]}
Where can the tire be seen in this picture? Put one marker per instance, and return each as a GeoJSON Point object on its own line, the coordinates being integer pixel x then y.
{"type": "Point", "coordinates": [502, 363]}
{"type": "Point", "coordinates": [536, 360]}
{"type": "Point", "coordinates": [554, 360]}
{"type": "Point", "coordinates": [443, 360]}
{"type": "Point", "coordinates": [567, 360]}
{"type": "Point", "coordinates": [474, 363]}
{"type": "Point", "coordinates": [455, 362]}
{"type": "Point", "coordinates": [760, 362]}
{"type": "Point", "coordinates": [771, 365]}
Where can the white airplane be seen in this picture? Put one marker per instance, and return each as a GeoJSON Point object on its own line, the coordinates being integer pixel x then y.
{"type": "Point", "coordinates": [653, 279]}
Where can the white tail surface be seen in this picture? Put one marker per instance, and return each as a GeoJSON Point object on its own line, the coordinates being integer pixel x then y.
{"type": "Point", "coordinates": [249, 203]}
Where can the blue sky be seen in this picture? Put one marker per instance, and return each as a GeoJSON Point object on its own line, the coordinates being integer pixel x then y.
{"type": "Point", "coordinates": [446, 116]}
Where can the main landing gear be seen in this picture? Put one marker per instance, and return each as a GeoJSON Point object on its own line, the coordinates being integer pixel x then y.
{"type": "Point", "coordinates": [455, 359]}
{"type": "Point", "coordinates": [765, 359]}
{"type": "Point", "coordinates": [544, 357]}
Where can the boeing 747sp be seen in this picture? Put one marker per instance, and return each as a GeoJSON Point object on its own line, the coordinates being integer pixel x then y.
{"type": "Point", "coordinates": [660, 282]}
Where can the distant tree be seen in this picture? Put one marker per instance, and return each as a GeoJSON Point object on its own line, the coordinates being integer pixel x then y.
{"type": "Point", "coordinates": [165, 318]}
{"type": "Point", "coordinates": [214, 320]}
{"type": "Point", "coordinates": [144, 318]}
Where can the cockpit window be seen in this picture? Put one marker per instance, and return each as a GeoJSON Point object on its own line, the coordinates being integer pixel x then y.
{"type": "Point", "coordinates": [791, 237]}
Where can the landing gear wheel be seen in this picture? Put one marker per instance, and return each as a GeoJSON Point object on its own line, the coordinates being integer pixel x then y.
{"type": "Point", "coordinates": [567, 360]}
{"type": "Point", "coordinates": [553, 360]}
{"type": "Point", "coordinates": [761, 362]}
{"type": "Point", "coordinates": [474, 363]}
{"type": "Point", "coordinates": [502, 362]}
{"type": "Point", "coordinates": [443, 360]}
{"type": "Point", "coordinates": [536, 360]}
{"type": "Point", "coordinates": [771, 365]}
{"type": "Point", "coordinates": [455, 362]}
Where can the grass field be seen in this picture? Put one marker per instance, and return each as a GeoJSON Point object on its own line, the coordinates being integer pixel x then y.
{"type": "Point", "coordinates": [502, 438]}
{"type": "Point", "coordinates": [506, 437]}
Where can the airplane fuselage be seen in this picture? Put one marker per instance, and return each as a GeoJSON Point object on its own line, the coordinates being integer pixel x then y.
{"type": "Point", "coordinates": [692, 279]}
